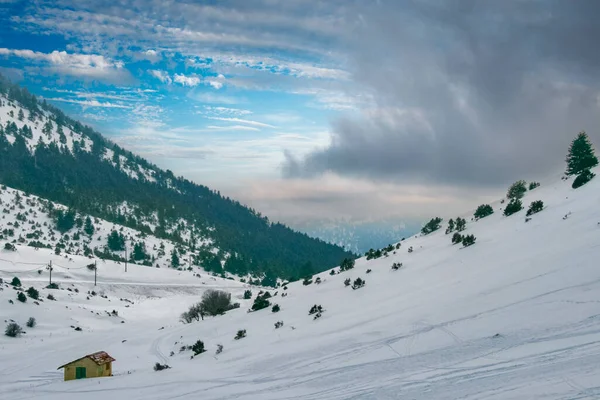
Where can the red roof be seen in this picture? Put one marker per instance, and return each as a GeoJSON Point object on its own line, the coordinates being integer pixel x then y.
{"type": "Point", "coordinates": [99, 357]}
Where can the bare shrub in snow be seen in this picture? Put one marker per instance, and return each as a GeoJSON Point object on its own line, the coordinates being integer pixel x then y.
{"type": "Point", "coordinates": [13, 330]}
{"type": "Point", "coordinates": [215, 302]}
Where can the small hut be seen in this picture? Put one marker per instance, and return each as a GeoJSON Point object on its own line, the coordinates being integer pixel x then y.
{"type": "Point", "coordinates": [93, 365]}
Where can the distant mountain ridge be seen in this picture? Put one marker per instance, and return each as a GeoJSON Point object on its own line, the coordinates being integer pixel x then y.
{"type": "Point", "coordinates": [359, 237]}
{"type": "Point", "coordinates": [46, 153]}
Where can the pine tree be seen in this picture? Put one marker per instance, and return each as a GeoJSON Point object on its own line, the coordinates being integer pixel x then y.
{"type": "Point", "coordinates": [581, 155]}
{"type": "Point", "coordinates": [174, 259]}
{"type": "Point", "coordinates": [450, 226]}
{"type": "Point", "coordinates": [88, 228]}
{"type": "Point", "coordinates": [517, 190]}
{"type": "Point", "coordinates": [21, 116]}
{"type": "Point", "coordinates": [461, 224]}
{"type": "Point", "coordinates": [139, 252]}
{"type": "Point", "coordinates": [116, 241]}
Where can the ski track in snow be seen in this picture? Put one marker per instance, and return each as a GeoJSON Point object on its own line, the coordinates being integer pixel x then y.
{"type": "Point", "coordinates": [516, 316]}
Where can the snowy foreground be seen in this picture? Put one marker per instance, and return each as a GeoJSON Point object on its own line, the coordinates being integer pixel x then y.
{"type": "Point", "coordinates": [516, 316]}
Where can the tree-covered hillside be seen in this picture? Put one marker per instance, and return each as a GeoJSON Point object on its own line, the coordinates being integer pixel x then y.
{"type": "Point", "coordinates": [46, 153]}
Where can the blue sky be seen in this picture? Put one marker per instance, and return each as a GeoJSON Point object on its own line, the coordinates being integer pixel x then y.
{"type": "Point", "coordinates": [215, 104]}
{"type": "Point", "coordinates": [351, 110]}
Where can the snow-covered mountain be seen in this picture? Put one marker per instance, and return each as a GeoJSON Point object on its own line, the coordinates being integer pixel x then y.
{"type": "Point", "coordinates": [28, 220]}
{"type": "Point", "coordinates": [514, 316]}
{"type": "Point", "coordinates": [45, 153]}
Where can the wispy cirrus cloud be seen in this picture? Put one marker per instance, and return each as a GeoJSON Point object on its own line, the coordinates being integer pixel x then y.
{"type": "Point", "coordinates": [218, 110]}
{"type": "Point", "coordinates": [85, 66]}
{"type": "Point", "coordinates": [90, 103]}
{"type": "Point", "coordinates": [243, 121]}
{"type": "Point", "coordinates": [232, 128]}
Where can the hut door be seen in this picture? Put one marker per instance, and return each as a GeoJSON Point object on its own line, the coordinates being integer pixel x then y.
{"type": "Point", "coordinates": [80, 372]}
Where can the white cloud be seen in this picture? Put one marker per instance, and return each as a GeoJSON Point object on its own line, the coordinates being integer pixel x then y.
{"type": "Point", "coordinates": [232, 128]}
{"type": "Point", "coordinates": [243, 121]}
{"type": "Point", "coordinates": [216, 82]}
{"type": "Point", "coordinates": [90, 103]}
{"type": "Point", "coordinates": [224, 111]}
{"type": "Point", "coordinates": [88, 66]}
{"type": "Point", "coordinates": [184, 80]}
{"type": "Point", "coordinates": [151, 55]}
{"type": "Point", "coordinates": [276, 66]}
{"type": "Point", "coordinates": [162, 76]}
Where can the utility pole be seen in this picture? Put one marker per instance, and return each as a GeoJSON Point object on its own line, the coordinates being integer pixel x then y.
{"type": "Point", "coordinates": [125, 255]}
{"type": "Point", "coordinates": [95, 272]}
{"type": "Point", "coordinates": [49, 268]}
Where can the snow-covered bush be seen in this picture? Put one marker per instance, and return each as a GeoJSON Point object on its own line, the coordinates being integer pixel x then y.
{"type": "Point", "coordinates": [198, 347]}
{"type": "Point", "coordinates": [512, 207]}
{"type": "Point", "coordinates": [431, 226]}
{"type": "Point", "coordinates": [584, 177]}
{"type": "Point", "coordinates": [160, 367]}
{"type": "Point", "coordinates": [483, 211]}
{"type": "Point", "coordinates": [468, 240]}
{"type": "Point", "coordinates": [358, 283]}
{"type": "Point", "coordinates": [517, 190]}
{"type": "Point", "coordinates": [261, 301]}
{"type": "Point", "coordinates": [276, 308]}
{"type": "Point", "coordinates": [33, 293]}
{"type": "Point", "coordinates": [346, 264]}
{"type": "Point", "coordinates": [316, 310]}
{"type": "Point", "coordinates": [396, 266]}
{"type": "Point", "coordinates": [535, 207]}
{"type": "Point", "coordinates": [240, 334]}
{"type": "Point", "coordinates": [533, 185]}
{"type": "Point", "coordinates": [31, 322]}
{"type": "Point", "coordinates": [457, 238]}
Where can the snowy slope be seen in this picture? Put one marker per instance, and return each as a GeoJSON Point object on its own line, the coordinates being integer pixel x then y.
{"type": "Point", "coordinates": [515, 316]}
{"type": "Point", "coordinates": [25, 220]}
{"type": "Point", "coordinates": [43, 128]}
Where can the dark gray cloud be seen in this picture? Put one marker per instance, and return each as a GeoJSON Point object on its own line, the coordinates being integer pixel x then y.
{"type": "Point", "coordinates": [465, 92]}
